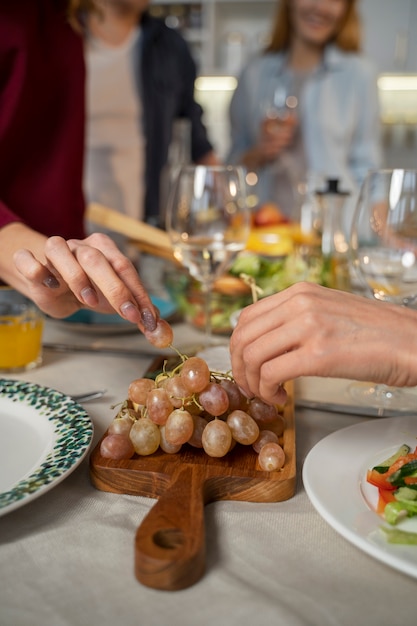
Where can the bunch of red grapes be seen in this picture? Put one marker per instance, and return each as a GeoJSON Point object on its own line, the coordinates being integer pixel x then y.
{"type": "Point", "coordinates": [193, 405]}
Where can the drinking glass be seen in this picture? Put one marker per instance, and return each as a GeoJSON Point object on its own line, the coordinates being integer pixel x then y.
{"type": "Point", "coordinates": [21, 328]}
{"type": "Point", "coordinates": [280, 99]}
{"type": "Point", "coordinates": [384, 256]}
{"type": "Point", "coordinates": [208, 223]}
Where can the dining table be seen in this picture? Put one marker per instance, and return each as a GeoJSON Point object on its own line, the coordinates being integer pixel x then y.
{"type": "Point", "coordinates": [67, 556]}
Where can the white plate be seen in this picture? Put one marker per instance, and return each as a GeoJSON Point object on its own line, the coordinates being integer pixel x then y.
{"type": "Point", "coordinates": [334, 476]}
{"type": "Point", "coordinates": [44, 435]}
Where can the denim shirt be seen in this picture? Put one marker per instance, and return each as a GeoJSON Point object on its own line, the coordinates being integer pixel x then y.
{"type": "Point", "coordinates": [338, 113]}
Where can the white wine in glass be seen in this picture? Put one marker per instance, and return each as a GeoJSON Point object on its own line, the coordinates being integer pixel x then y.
{"type": "Point", "coordinates": [208, 223]}
{"type": "Point", "coordinates": [384, 256]}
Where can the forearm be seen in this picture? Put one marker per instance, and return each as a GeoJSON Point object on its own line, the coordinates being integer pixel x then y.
{"type": "Point", "coordinates": [15, 236]}
{"type": "Point", "coordinates": [402, 346]}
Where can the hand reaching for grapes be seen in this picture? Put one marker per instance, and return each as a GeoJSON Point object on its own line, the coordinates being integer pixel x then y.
{"type": "Point", "coordinates": [309, 330]}
{"type": "Point", "coordinates": [63, 276]}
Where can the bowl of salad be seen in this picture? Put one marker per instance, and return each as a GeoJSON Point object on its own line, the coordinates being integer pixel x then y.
{"type": "Point", "coordinates": [275, 258]}
{"type": "Point", "coordinates": [229, 294]}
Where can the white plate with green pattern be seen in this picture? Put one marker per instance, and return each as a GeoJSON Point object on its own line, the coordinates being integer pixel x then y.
{"type": "Point", "coordinates": [44, 436]}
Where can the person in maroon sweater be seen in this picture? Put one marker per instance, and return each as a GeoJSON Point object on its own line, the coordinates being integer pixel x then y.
{"type": "Point", "coordinates": [43, 249]}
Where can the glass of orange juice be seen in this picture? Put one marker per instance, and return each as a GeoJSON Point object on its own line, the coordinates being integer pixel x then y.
{"type": "Point", "coordinates": [21, 327]}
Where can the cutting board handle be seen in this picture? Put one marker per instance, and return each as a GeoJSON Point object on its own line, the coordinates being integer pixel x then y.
{"type": "Point", "coordinates": [170, 542]}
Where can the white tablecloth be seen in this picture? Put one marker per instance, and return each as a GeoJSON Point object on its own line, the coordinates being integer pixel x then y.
{"type": "Point", "coordinates": [67, 558]}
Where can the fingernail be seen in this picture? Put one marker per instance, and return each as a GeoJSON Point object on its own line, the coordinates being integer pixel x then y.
{"type": "Point", "coordinates": [148, 319]}
{"type": "Point", "coordinates": [89, 296]}
{"type": "Point", "coordinates": [247, 395]}
{"type": "Point", "coordinates": [131, 312]}
{"type": "Point", "coordinates": [51, 282]}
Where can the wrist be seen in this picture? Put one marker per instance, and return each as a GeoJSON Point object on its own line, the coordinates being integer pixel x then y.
{"type": "Point", "coordinates": [15, 236]}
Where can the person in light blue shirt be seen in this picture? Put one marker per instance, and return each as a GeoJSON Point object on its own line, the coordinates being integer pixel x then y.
{"type": "Point", "coordinates": [307, 108]}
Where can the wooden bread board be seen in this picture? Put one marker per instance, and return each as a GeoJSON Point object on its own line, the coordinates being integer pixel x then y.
{"type": "Point", "coordinates": [170, 541]}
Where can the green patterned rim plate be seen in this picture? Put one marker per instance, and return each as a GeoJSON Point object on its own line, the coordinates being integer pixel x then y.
{"type": "Point", "coordinates": [44, 436]}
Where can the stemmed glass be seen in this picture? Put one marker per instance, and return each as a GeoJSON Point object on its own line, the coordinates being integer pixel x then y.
{"type": "Point", "coordinates": [208, 223]}
{"type": "Point", "coordinates": [384, 255]}
{"type": "Point", "coordinates": [280, 101]}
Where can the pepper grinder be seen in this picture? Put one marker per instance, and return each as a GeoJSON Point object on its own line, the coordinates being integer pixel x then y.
{"type": "Point", "coordinates": [334, 242]}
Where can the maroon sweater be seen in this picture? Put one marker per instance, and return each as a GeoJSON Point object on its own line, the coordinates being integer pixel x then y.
{"type": "Point", "coordinates": [42, 78]}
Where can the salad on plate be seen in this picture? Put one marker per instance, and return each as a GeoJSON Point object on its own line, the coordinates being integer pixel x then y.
{"type": "Point", "coordinates": [396, 481]}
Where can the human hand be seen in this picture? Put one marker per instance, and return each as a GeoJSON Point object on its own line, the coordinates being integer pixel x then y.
{"type": "Point", "coordinates": [309, 330]}
{"type": "Point", "coordinates": [276, 134]}
{"type": "Point", "coordinates": [90, 273]}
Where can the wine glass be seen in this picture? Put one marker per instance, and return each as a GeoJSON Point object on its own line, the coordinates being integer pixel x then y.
{"type": "Point", "coordinates": [384, 255]}
{"type": "Point", "coordinates": [208, 223]}
{"type": "Point", "coordinates": [280, 100]}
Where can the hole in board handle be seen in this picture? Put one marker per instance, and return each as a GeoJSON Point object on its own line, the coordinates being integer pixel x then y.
{"type": "Point", "coordinates": [169, 538]}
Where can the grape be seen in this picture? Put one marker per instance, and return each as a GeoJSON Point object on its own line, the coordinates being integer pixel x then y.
{"type": "Point", "coordinates": [195, 374]}
{"type": "Point", "coordinates": [243, 427]}
{"type": "Point", "coordinates": [145, 436]}
{"type": "Point", "coordinates": [138, 390]}
{"type": "Point", "coordinates": [271, 457]}
{"type": "Point", "coordinates": [217, 438]}
{"type": "Point", "coordinates": [199, 425]}
{"type": "Point", "coordinates": [265, 436]}
{"type": "Point", "coordinates": [214, 399]}
{"type": "Point", "coordinates": [179, 427]}
{"type": "Point", "coordinates": [158, 405]}
{"type": "Point", "coordinates": [177, 391]}
{"type": "Point", "coordinates": [262, 412]}
{"type": "Point", "coordinates": [120, 425]}
{"type": "Point", "coordinates": [116, 447]}
{"type": "Point", "coordinates": [162, 336]}
{"type": "Point", "coordinates": [236, 398]}
{"type": "Point", "coordinates": [277, 426]}
{"type": "Point", "coordinates": [191, 404]}
{"type": "Point", "coordinates": [167, 447]}
{"type": "Point", "coordinates": [193, 408]}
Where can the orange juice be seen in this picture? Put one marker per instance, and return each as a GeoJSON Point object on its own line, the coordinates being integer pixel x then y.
{"type": "Point", "coordinates": [20, 337]}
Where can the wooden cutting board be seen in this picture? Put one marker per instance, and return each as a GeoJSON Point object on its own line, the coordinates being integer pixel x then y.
{"type": "Point", "coordinates": [170, 541]}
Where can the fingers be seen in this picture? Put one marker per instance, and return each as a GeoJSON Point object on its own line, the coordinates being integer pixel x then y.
{"type": "Point", "coordinates": [33, 270]}
{"type": "Point", "coordinates": [45, 286]}
{"type": "Point", "coordinates": [261, 366]}
{"type": "Point", "coordinates": [90, 272]}
{"type": "Point", "coordinates": [116, 278]}
{"type": "Point", "coordinates": [278, 338]}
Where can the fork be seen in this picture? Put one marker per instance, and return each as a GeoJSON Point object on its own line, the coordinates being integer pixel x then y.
{"type": "Point", "coordinates": [91, 395]}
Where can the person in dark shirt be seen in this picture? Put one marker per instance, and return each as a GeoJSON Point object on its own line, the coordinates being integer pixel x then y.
{"type": "Point", "coordinates": [43, 250]}
{"type": "Point", "coordinates": [140, 82]}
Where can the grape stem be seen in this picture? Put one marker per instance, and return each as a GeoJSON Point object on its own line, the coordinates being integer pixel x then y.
{"type": "Point", "coordinates": [255, 290]}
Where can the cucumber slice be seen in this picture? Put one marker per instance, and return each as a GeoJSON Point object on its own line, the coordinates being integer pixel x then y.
{"type": "Point", "coordinates": [397, 478]}
{"type": "Point", "coordinates": [384, 465]}
{"type": "Point", "coordinates": [406, 493]}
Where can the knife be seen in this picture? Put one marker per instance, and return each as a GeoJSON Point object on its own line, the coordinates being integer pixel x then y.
{"type": "Point", "coordinates": [63, 347]}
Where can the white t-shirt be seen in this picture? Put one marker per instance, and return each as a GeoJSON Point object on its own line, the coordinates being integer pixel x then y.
{"type": "Point", "coordinates": [115, 144]}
